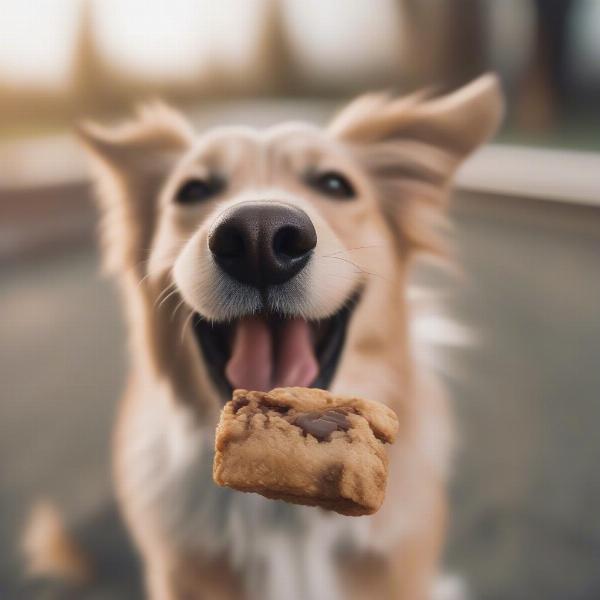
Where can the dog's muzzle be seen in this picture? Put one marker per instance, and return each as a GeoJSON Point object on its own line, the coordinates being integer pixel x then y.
{"type": "Point", "coordinates": [262, 254]}
{"type": "Point", "coordinates": [262, 243]}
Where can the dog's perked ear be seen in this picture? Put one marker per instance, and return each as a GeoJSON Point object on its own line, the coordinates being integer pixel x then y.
{"type": "Point", "coordinates": [130, 163]}
{"type": "Point", "coordinates": [412, 146]}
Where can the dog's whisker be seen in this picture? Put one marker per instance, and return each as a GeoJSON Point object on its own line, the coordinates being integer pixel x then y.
{"type": "Point", "coordinates": [159, 298]}
{"type": "Point", "coordinates": [347, 260]}
{"type": "Point", "coordinates": [179, 305]}
{"type": "Point", "coordinates": [186, 322]}
{"type": "Point", "coordinates": [359, 268]}
{"type": "Point", "coordinates": [166, 290]}
{"type": "Point", "coordinates": [347, 250]}
{"type": "Point", "coordinates": [376, 275]}
{"type": "Point", "coordinates": [143, 264]}
{"type": "Point", "coordinates": [144, 278]}
{"type": "Point", "coordinates": [169, 295]}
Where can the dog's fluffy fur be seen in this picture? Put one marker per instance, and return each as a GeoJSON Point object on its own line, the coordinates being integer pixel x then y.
{"type": "Point", "coordinates": [201, 541]}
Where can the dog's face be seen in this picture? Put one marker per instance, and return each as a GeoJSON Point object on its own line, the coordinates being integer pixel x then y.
{"type": "Point", "coordinates": [277, 258]}
{"type": "Point", "coordinates": [268, 237]}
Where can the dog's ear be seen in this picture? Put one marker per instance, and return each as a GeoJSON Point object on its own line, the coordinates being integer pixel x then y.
{"type": "Point", "coordinates": [130, 163]}
{"type": "Point", "coordinates": [412, 146]}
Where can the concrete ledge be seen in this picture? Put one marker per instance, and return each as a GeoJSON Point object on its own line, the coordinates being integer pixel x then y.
{"type": "Point", "coordinates": [556, 175]}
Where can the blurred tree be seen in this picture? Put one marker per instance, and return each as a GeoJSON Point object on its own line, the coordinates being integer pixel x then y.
{"type": "Point", "coordinates": [276, 68]}
{"type": "Point", "coordinates": [445, 41]}
{"type": "Point", "coordinates": [544, 88]}
{"type": "Point", "coordinates": [91, 78]}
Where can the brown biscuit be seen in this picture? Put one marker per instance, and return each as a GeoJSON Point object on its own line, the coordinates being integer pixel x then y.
{"type": "Point", "coordinates": [306, 446]}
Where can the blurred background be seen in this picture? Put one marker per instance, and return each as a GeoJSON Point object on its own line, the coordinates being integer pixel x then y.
{"type": "Point", "coordinates": [526, 492]}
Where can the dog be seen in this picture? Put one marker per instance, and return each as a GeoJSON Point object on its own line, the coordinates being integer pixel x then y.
{"type": "Point", "coordinates": [279, 257]}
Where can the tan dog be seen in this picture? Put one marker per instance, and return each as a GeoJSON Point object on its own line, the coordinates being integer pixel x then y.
{"type": "Point", "coordinates": [280, 257]}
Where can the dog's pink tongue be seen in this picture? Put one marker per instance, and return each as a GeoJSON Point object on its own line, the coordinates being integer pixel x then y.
{"type": "Point", "coordinates": [295, 360]}
{"type": "Point", "coordinates": [259, 363]}
{"type": "Point", "coordinates": [251, 363]}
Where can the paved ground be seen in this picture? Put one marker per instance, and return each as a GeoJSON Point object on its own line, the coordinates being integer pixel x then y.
{"type": "Point", "coordinates": [527, 489]}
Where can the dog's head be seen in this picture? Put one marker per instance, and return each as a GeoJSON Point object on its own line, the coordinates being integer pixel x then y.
{"type": "Point", "coordinates": [259, 259]}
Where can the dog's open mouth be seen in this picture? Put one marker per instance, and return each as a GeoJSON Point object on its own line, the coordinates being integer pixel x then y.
{"type": "Point", "coordinates": [264, 351]}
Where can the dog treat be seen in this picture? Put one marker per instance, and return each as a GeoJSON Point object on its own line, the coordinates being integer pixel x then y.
{"type": "Point", "coordinates": [306, 446]}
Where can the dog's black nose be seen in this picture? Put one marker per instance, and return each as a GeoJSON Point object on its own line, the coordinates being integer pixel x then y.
{"type": "Point", "coordinates": [262, 243]}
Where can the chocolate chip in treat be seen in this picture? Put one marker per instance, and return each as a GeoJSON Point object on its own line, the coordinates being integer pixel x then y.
{"type": "Point", "coordinates": [239, 403]}
{"type": "Point", "coordinates": [322, 425]}
{"type": "Point", "coordinates": [266, 405]}
{"type": "Point", "coordinates": [338, 417]}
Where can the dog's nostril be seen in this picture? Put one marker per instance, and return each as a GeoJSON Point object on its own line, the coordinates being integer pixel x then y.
{"type": "Point", "coordinates": [227, 242]}
{"type": "Point", "coordinates": [294, 242]}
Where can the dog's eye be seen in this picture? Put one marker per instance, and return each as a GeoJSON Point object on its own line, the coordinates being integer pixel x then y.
{"type": "Point", "coordinates": [333, 184]}
{"type": "Point", "coordinates": [197, 190]}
